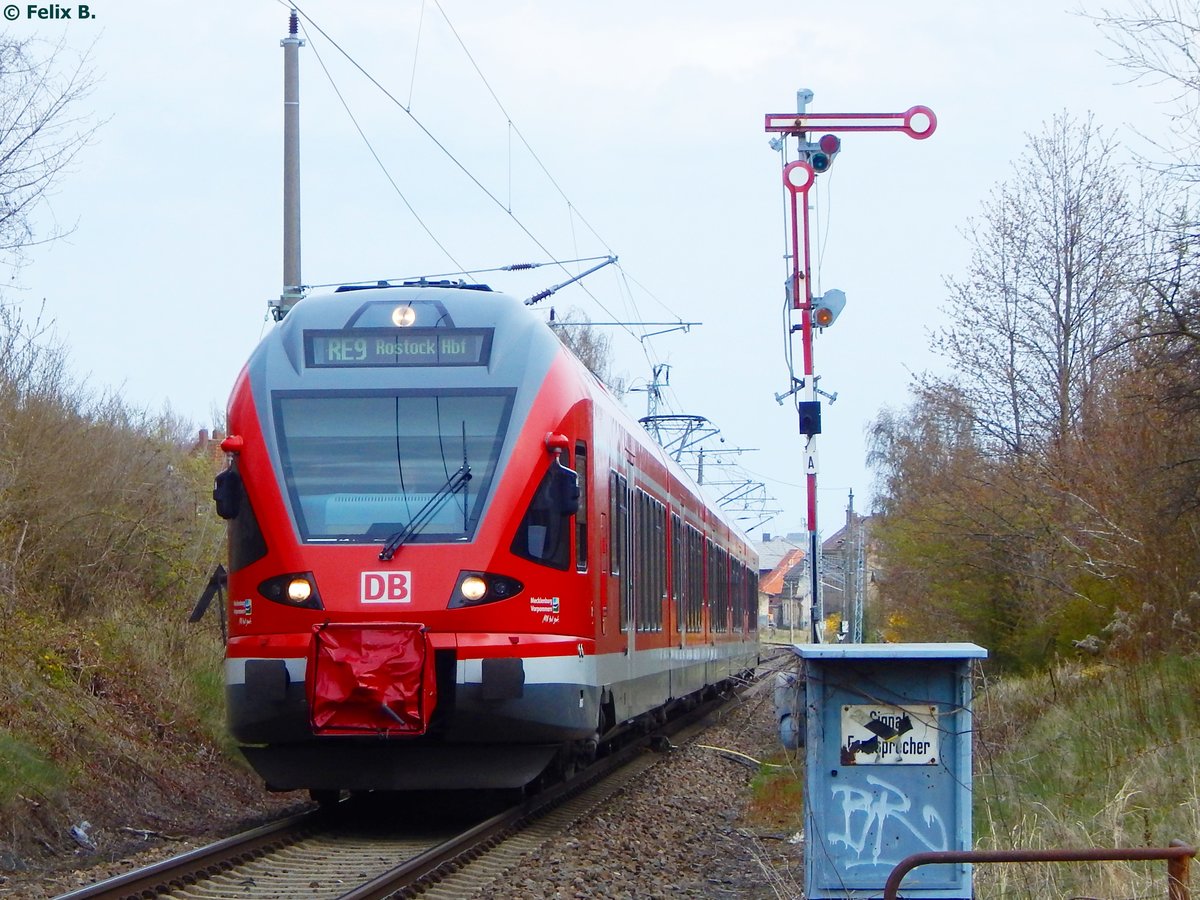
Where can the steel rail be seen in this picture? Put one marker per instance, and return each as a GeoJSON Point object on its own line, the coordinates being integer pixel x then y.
{"type": "Point", "coordinates": [428, 866]}
{"type": "Point", "coordinates": [195, 865]}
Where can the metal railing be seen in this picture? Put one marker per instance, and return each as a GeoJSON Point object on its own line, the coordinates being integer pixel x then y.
{"type": "Point", "coordinates": [1178, 856]}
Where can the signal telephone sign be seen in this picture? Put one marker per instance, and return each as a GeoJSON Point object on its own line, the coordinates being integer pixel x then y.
{"type": "Point", "coordinates": [877, 735]}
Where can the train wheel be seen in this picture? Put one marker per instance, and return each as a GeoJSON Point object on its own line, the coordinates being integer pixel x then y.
{"type": "Point", "coordinates": [585, 751]}
{"type": "Point", "coordinates": [325, 798]}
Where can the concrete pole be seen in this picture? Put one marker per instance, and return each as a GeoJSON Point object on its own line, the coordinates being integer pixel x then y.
{"type": "Point", "coordinates": [291, 163]}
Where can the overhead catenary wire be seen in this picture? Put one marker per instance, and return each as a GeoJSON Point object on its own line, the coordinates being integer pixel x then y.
{"type": "Point", "coordinates": [442, 147]}
{"type": "Point", "coordinates": [371, 149]}
{"type": "Point", "coordinates": [412, 81]}
{"type": "Point", "coordinates": [416, 121]}
{"type": "Point", "coordinates": [517, 131]}
{"type": "Point", "coordinates": [572, 208]}
{"type": "Point", "coordinates": [624, 278]}
{"type": "Point", "coordinates": [511, 267]}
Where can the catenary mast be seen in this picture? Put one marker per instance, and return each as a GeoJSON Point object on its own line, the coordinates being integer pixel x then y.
{"type": "Point", "coordinates": [292, 290]}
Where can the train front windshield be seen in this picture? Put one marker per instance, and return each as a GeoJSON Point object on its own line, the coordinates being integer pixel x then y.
{"type": "Point", "coordinates": [365, 466]}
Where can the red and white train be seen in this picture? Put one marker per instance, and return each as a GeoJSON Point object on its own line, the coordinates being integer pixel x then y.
{"type": "Point", "coordinates": [454, 560]}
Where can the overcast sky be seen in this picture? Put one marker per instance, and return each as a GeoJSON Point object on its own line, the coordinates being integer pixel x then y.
{"type": "Point", "coordinates": [649, 118]}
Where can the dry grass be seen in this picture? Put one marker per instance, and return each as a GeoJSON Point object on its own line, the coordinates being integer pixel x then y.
{"type": "Point", "coordinates": [1087, 757]}
{"type": "Point", "coordinates": [777, 795]}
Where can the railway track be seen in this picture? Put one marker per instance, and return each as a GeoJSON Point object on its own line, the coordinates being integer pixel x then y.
{"type": "Point", "coordinates": [355, 852]}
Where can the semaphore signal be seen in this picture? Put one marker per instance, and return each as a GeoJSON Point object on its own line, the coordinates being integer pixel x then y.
{"type": "Point", "coordinates": [814, 157]}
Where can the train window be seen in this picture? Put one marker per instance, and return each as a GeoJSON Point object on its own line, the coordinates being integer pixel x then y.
{"type": "Point", "coordinates": [650, 541]}
{"type": "Point", "coordinates": [677, 570]}
{"type": "Point", "coordinates": [712, 568]}
{"type": "Point", "coordinates": [658, 591]}
{"type": "Point", "coordinates": [752, 600]}
{"type": "Point", "coordinates": [363, 466]}
{"type": "Point", "coordinates": [613, 565]}
{"type": "Point", "coordinates": [622, 527]}
{"type": "Point", "coordinates": [640, 567]}
{"type": "Point", "coordinates": [637, 571]}
{"type": "Point", "coordinates": [718, 575]}
{"type": "Point", "coordinates": [695, 580]}
{"type": "Point", "coordinates": [581, 517]}
{"type": "Point", "coordinates": [735, 593]}
{"type": "Point", "coordinates": [246, 541]}
{"type": "Point", "coordinates": [616, 522]}
{"type": "Point", "coordinates": [544, 535]}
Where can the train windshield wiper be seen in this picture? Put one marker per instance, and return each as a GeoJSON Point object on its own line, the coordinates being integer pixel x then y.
{"type": "Point", "coordinates": [454, 484]}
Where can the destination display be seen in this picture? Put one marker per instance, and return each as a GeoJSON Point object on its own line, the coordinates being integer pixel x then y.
{"type": "Point", "coordinates": [369, 347]}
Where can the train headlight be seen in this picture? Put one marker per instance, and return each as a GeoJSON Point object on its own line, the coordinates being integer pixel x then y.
{"type": "Point", "coordinates": [473, 588]}
{"type": "Point", "coordinates": [297, 589]}
{"type": "Point", "coordinates": [403, 316]}
{"type": "Point", "coordinates": [478, 588]}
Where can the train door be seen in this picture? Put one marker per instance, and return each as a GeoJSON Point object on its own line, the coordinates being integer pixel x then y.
{"type": "Point", "coordinates": [603, 568]}
{"type": "Point", "coordinates": [618, 576]}
{"type": "Point", "coordinates": [629, 563]}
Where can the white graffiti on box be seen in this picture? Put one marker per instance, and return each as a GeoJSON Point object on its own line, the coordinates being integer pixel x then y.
{"type": "Point", "coordinates": [871, 816]}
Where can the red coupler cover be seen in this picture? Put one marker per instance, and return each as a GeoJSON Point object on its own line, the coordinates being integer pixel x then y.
{"type": "Point", "coordinates": [371, 679]}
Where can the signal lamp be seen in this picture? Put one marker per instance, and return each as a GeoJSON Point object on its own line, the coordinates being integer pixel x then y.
{"type": "Point", "coordinates": [821, 154]}
{"type": "Point", "coordinates": [827, 307]}
{"type": "Point", "coordinates": [810, 417]}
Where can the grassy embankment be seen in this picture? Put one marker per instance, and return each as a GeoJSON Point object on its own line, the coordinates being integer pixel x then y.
{"type": "Point", "coordinates": [110, 703]}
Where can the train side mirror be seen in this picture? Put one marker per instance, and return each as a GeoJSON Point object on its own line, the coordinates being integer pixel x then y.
{"type": "Point", "coordinates": [227, 494]}
{"type": "Point", "coordinates": [564, 482]}
{"type": "Point", "coordinates": [565, 489]}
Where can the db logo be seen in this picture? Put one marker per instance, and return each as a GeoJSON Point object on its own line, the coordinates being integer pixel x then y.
{"type": "Point", "coordinates": [385, 587]}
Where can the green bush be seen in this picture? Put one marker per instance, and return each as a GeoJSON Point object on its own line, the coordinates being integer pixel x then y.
{"type": "Point", "coordinates": [24, 770]}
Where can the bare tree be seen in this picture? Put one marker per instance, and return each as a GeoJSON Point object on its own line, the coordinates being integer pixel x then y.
{"type": "Point", "coordinates": [1047, 293]}
{"type": "Point", "coordinates": [1156, 40]}
{"type": "Point", "coordinates": [41, 133]}
{"type": "Point", "coordinates": [997, 487]}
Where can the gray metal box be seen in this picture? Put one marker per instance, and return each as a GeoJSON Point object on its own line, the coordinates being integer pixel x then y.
{"type": "Point", "coordinates": [888, 766]}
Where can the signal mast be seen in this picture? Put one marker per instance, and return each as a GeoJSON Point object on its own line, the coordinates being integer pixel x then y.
{"type": "Point", "coordinates": [814, 157]}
